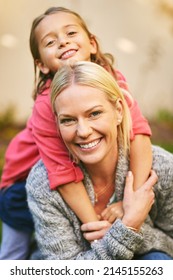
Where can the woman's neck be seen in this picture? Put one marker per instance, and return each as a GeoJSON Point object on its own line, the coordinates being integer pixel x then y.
{"type": "Point", "coordinates": [102, 174]}
{"type": "Point", "coordinates": [103, 179]}
{"type": "Point", "coordinates": [104, 186]}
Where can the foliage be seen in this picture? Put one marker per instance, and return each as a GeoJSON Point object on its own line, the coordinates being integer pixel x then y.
{"type": "Point", "coordinates": [8, 129]}
{"type": "Point", "coordinates": [164, 116]}
{"type": "Point", "coordinates": [162, 129]}
{"type": "Point", "coordinates": [7, 117]}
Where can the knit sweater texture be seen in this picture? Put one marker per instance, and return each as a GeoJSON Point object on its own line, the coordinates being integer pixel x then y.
{"type": "Point", "coordinates": [58, 231]}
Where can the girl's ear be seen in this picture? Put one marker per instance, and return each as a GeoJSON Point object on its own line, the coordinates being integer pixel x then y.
{"type": "Point", "coordinates": [43, 68]}
{"type": "Point", "coordinates": [93, 45]}
{"type": "Point", "coordinates": [119, 110]}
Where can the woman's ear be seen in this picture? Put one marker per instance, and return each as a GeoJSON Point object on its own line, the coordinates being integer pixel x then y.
{"type": "Point", "coordinates": [43, 68]}
{"type": "Point", "coordinates": [119, 111]}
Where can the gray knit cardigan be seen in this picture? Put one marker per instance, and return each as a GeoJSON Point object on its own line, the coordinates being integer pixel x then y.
{"type": "Point", "coordinates": [58, 231]}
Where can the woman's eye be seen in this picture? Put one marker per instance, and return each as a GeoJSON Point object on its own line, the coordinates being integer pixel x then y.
{"type": "Point", "coordinates": [67, 121]}
{"type": "Point", "coordinates": [96, 113]}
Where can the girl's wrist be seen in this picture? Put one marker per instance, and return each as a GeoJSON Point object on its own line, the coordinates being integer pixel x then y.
{"type": "Point", "coordinates": [133, 229]}
{"type": "Point", "coordinates": [131, 225]}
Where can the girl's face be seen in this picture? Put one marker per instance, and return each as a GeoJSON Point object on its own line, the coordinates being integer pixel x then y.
{"type": "Point", "coordinates": [61, 39]}
{"type": "Point", "coordinates": [88, 124]}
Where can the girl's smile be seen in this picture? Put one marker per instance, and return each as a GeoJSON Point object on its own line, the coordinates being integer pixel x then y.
{"type": "Point", "coordinates": [68, 54]}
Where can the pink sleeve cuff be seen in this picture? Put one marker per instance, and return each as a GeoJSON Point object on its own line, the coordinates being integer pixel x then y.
{"type": "Point", "coordinates": [65, 177]}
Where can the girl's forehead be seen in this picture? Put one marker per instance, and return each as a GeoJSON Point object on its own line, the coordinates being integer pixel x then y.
{"type": "Point", "coordinates": [57, 20]}
{"type": "Point", "coordinates": [61, 18]}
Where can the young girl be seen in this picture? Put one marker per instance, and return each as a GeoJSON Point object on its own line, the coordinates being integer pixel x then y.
{"type": "Point", "coordinates": [57, 37]}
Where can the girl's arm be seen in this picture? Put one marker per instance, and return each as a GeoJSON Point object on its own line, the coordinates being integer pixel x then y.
{"type": "Point", "coordinates": [140, 165]}
{"type": "Point", "coordinates": [140, 149]}
{"type": "Point", "coordinates": [76, 197]}
{"type": "Point", "coordinates": [140, 159]}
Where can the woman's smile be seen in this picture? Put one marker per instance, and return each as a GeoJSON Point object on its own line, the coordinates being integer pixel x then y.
{"type": "Point", "coordinates": [90, 145]}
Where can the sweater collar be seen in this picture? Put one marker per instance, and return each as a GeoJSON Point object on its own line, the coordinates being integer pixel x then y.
{"type": "Point", "coordinates": [120, 176]}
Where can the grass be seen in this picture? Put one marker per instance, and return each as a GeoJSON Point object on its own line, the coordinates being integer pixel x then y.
{"type": "Point", "coordinates": [162, 129]}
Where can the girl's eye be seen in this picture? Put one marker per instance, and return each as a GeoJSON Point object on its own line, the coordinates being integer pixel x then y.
{"type": "Point", "coordinates": [71, 33]}
{"type": "Point", "coordinates": [50, 43]}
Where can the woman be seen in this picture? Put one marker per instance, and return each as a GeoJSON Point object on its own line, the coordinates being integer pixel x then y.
{"type": "Point", "coordinates": [94, 123]}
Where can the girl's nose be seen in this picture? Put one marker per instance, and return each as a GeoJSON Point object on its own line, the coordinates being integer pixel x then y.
{"type": "Point", "coordinates": [84, 129]}
{"type": "Point", "coordinates": [63, 41]}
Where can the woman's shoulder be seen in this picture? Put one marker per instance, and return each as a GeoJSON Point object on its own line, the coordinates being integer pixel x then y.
{"type": "Point", "coordinates": [37, 180]}
{"type": "Point", "coordinates": [163, 165]}
{"type": "Point", "coordinates": [161, 155]}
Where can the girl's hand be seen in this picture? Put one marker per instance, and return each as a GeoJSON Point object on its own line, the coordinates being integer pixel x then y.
{"type": "Point", "coordinates": [137, 204]}
{"type": "Point", "coordinates": [113, 212]}
{"type": "Point", "coordinates": [95, 230]}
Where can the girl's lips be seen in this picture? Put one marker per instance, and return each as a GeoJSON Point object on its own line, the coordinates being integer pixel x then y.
{"type": "Point", "coordinates": [68, 54]}
{"type": "Point", "coordinates": [90, 145]}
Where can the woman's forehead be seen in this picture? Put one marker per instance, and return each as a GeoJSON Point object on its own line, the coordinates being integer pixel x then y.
{"type": "Point", "coordinates": [83, 97]}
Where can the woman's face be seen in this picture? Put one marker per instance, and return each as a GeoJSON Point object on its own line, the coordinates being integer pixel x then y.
{"type": "Point", "coordinates": [88, 123]}
{"type": "Point", "coordinates": [61, 38]}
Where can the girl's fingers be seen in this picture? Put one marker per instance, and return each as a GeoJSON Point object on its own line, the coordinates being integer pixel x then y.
{"type": "Point", "coordinates": [95, 226]}
{"type": "Point", "coordinates": [91, 236]}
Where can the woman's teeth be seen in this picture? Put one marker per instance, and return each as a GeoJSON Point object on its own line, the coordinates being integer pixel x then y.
{"type": "Point", "coordinates": [89, 145]}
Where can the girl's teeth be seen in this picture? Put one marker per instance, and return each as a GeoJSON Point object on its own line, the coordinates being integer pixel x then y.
{"type": "Point", "coordinates": [68, 54]}
{"type": "Point", "coordinates": [90, 145]}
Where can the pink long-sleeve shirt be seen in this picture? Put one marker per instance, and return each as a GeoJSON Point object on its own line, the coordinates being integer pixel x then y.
{"type": "Point", "coordinates": [41, 139]}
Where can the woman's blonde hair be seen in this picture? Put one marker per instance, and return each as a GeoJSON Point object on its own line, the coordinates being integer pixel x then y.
{"type": "Point", "coordinates": [93, 75]}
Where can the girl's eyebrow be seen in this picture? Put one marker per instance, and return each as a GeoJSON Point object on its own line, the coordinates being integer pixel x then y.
{"type": "Point", "coordinates": [45, 36]}
{"type": "Point", "coordinates": [52, 32]}
{"type": "Point", "coordinates": [71, 25]}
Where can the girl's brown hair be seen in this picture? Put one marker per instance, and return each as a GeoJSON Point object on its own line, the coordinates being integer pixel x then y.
{"type": "Point", "coordinates": [105, 60]}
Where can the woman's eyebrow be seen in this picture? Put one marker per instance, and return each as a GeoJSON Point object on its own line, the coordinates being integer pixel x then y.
{"type": "Point", "coordinates": [63, 115]}
{"type": "Point", "coordinates": [94, 107]}
{"type": "Point", "coordinates": [87, 111]}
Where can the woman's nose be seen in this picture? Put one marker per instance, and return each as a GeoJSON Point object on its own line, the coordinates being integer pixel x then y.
{"type": "Point", "coordinates": [84, 129]}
